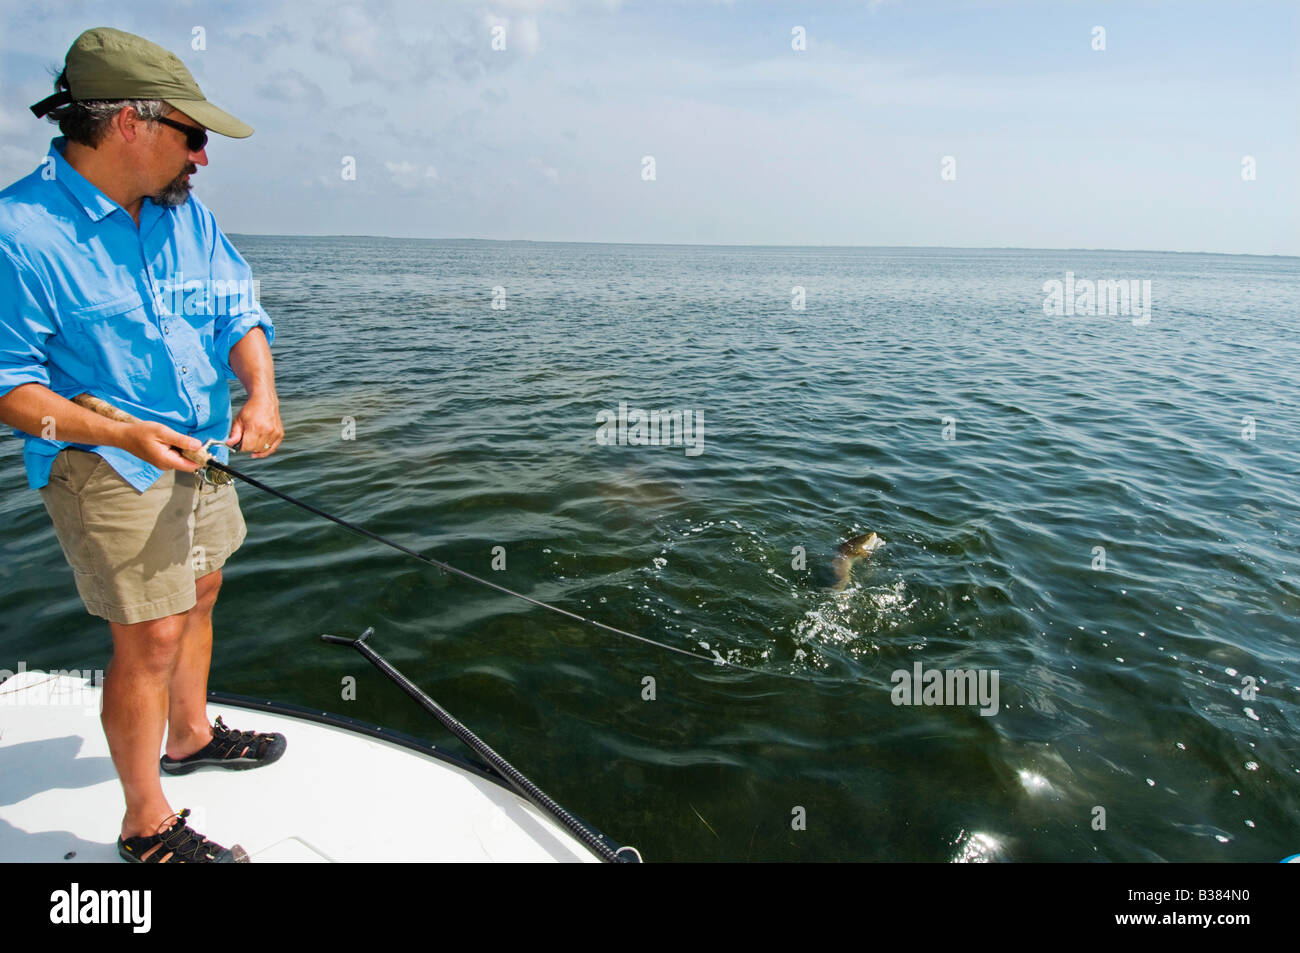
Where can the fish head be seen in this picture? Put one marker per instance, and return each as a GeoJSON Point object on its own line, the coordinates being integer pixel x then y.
{"type": "Point", "coordinates": [860, 546]}
{"type": "Point", "coordinates": [871, 544]}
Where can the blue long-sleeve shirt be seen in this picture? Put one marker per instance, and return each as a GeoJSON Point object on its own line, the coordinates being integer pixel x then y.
{"type": "Point", "coordinates": [142, 317]}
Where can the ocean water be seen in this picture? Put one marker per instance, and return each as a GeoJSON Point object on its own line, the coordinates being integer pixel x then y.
{"type": "Point", "coordinates": [1103, 512]}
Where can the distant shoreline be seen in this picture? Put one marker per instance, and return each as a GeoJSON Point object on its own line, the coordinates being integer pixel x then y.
{"type": "Point", "coordinates": [943, 248]}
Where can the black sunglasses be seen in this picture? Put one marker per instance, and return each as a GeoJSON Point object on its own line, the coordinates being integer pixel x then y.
{"type": "Point", "coordinates": [195, 138]}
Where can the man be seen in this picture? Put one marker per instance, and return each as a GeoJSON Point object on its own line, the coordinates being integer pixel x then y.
{"type": "Point", "coordinates": [115, 281]}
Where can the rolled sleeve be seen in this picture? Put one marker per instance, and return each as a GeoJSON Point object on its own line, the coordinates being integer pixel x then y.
{"type": "Point", "coordinates": [234, 329]}
{"type": "Point", "coordinates": [26, 321]}
{"type": "Point", "coordinates": [235, 298]}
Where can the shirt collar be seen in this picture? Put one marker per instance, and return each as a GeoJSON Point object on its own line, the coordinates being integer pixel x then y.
{"type": "Point", "coordinates": [95, 203]}
{"type": "Point", "coordinates": [150, 215]}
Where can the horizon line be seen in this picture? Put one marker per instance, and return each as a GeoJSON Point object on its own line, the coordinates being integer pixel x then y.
{"type": "Point", "coordinates": [535, 241]}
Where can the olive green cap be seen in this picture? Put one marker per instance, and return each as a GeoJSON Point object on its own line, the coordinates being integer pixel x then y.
{"type": "Point", "coordinates": [104, 63]}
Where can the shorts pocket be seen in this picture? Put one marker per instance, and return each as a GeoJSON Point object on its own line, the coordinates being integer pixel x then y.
{"type": "Point", "coordinates": [74, 469]}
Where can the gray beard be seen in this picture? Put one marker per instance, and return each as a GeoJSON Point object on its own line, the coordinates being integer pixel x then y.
{"type": "Point", "coordinates": [176, 192]}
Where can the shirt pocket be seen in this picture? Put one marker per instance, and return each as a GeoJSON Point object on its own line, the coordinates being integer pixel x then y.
{"type": "Point", "coordinates": [113, 339]}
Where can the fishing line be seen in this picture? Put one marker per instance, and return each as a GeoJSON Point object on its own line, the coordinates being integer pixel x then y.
{"type": "Point", "coordinates": [717, 659]}
{"type": "Point", "coordinates": [204, 459]}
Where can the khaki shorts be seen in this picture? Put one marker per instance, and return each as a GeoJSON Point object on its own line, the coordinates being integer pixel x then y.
{"type": "Point", "coordinates": [136, 555]}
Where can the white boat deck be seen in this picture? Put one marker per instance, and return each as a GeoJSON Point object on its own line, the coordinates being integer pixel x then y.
{"type": "Point", "coordinates": [336, 795]}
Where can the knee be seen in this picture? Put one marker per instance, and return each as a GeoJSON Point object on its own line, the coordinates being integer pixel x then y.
{"type": "Point", "coordinates": [150, 646]}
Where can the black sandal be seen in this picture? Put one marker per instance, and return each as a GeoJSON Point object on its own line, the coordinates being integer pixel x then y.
{"type": "Point", "coordinates": [178, 844]}
{"type": "Point", "coordinates": [238, 750]}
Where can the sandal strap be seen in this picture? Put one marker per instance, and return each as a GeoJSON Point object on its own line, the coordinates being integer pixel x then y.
{"type": "Point", "coordinates": [231, 743]}
{"type": "Point", "coordinates": [179, 844]}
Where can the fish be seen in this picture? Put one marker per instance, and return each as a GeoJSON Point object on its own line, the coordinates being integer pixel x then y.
{"type": "Point", "coordinates": [849, 552]}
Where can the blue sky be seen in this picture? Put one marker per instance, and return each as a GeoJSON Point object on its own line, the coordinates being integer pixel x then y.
{"type": "Point", "coordinates": [1055, 144]}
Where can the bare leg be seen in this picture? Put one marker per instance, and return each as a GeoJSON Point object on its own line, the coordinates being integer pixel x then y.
{"type": "Point", "coordinates": [188, 728]}
{"type": "Point", "coordinates": [135, 714]}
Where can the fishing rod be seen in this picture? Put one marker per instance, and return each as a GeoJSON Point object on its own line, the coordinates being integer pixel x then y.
{"type": "Point", "coordinates": [205, 459]}
{"type": "Point", "coordinates": [503, 768]}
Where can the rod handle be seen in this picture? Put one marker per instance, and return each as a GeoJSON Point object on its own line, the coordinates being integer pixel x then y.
{"type": "Point", "coordinates": [105, 409]}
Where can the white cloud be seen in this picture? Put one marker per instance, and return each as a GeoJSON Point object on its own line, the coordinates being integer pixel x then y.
{"type": "Point", "coordinates": [291, 86]}
{"type": "Point", "coordinates": [348, 32]}
{"type": "Point", "coordinates": [755, 143]}
{"type": "Point", "coordinates": [12, 125]}
{"type": "Point", "coordinates": [409, 175]}
{"type": "Point", "coordinates": [549, 173]}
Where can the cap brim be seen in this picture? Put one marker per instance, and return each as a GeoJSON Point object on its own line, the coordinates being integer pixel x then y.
{"type": "Point", "coordinates": [212, 118]}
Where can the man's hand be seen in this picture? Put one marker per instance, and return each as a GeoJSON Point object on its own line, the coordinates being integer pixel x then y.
{"type": "Point", "coordinates": [153, 443]}
{"type": "Point", "coordinates": [257, 430]}
{"type": "Point", "coordinates": [33, 408]}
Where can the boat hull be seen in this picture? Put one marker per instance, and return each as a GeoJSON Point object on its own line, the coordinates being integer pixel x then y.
{"type": "Point", "coordinates": [343, 792]}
